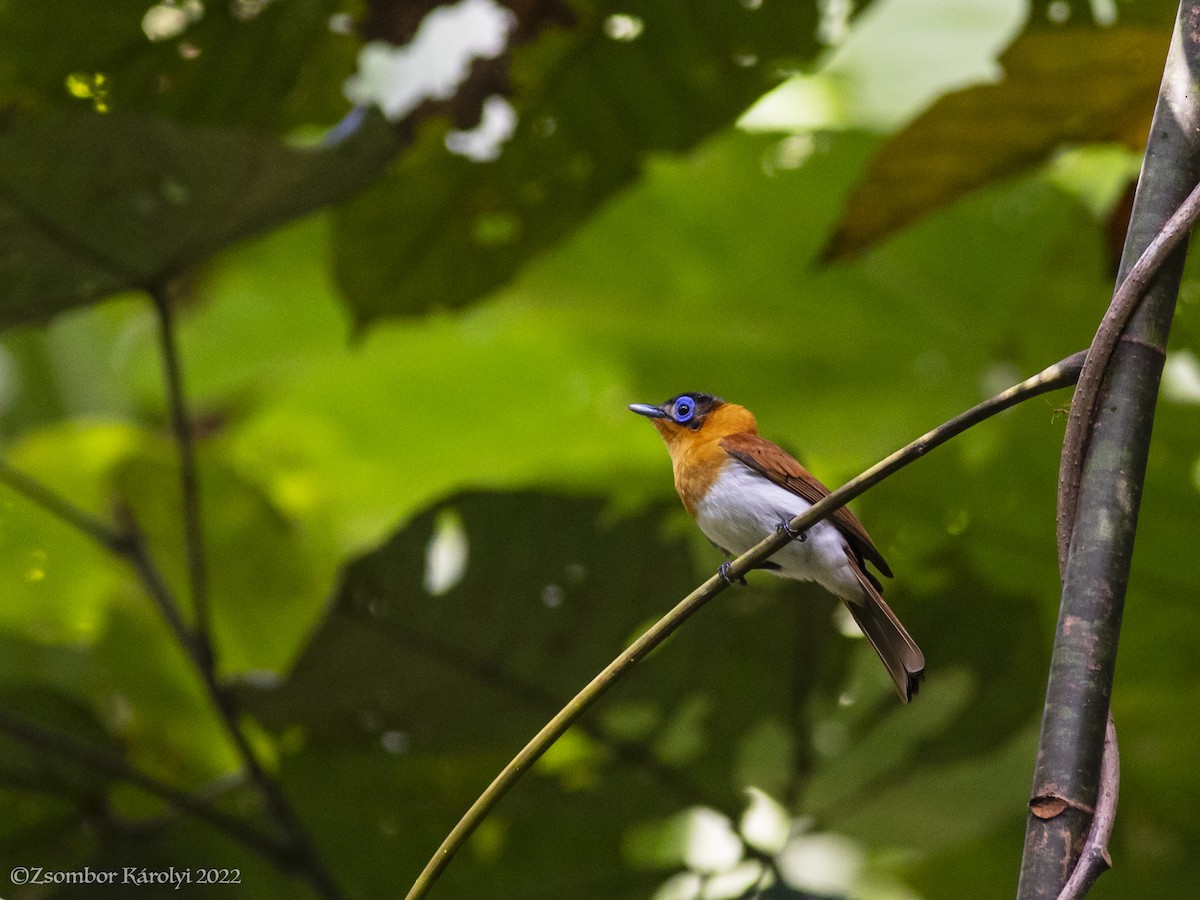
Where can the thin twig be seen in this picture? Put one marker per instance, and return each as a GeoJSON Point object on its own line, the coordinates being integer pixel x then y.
{"type": "Point", "coordinates": [132, 548]}
{"type": "Point", "coordinates": [1125, 300]}
{"type": "Point", "coordinates": [1094, 860]}
{"type": "Point", "coordinates": [193, 531]}
{"type": "Point", "coordinates": [303, 852]}
{"type": "Point", "coordinates": [60, 507]}
{"type": "Point", "coordinates": [65, 746]}
{"type": "Point", "coordinates": [1061, 374]}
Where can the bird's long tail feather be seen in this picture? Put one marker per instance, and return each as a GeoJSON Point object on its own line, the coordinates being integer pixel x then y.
{"type": "Point", "coordinates": [900, 654]}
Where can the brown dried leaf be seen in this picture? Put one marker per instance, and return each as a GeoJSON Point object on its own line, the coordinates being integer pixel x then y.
{"type": "Point", "coordinates": [1047, 807]}
{"type": "Point", "coordinates": [1061, 86]}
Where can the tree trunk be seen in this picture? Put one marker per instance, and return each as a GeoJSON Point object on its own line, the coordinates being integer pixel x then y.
{"type": "Point", "coordinates": [1097, 564]}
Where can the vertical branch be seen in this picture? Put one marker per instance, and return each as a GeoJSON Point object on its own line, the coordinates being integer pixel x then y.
{"type": "Point", "coordinates": [126, 542]}
{"type": "Point", "coordinates": [201, 651]}
{"type": "Point", "coordinates": [193, 534]}
{"type": "Point", "coordinates": [1096, 573]}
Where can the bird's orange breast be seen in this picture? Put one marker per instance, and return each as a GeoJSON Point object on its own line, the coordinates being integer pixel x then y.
{"type": "Point", "coordinates": [696, 468]}
{"type": "Point", "coordinates": [697, 456]}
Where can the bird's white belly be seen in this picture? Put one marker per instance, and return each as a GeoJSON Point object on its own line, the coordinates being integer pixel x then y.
{"type": "Point", "coordinates": [742, 507]}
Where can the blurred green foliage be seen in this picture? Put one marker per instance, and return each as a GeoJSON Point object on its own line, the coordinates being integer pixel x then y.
{"type": "Point", "coordinates": [430, 520]}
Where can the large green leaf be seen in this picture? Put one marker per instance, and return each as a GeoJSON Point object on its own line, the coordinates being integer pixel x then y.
{"type": "Point", "coordinates": [629, 80]}
{"type": "Point", "coordinates": [269, 66]}
{"type": "Point", "coordinates": [94, 204]}
{"type": "Point", "coordinates": [531, 388]}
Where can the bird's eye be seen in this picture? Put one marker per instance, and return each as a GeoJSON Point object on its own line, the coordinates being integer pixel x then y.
{"type": "Point", "coordinates": [684, 407]}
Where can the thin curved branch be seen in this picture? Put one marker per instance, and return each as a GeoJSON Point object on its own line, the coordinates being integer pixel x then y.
{"type": "Point", "coordinates": [1061, 374]}
{"type": "Point", "coordinates": [1083, 404]}
{"type": "Point", "coordinates": [1094, 860]}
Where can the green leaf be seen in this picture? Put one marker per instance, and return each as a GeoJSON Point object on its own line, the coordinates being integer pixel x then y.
{"type": "Point", "coordinates": [593, 101]}
{"type": "Point", "coordinates": [270, 66]}
{"type": "Point", "coordinates": [94, 204]}
{"type": "Point", "coordinates": [58, 582]}
{"type": "Point", "coordinates": [267, 578]}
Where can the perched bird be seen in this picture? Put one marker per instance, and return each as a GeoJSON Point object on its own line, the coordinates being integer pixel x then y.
{"type": "Point", "coordinates": [739, 487]}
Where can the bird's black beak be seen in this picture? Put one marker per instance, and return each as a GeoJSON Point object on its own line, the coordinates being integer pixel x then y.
{"type": "Point", "coordinates": [645, 409]}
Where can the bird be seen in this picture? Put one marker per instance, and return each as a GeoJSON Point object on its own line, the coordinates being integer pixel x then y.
{"type": "Point", "coordinates": [739, 487]}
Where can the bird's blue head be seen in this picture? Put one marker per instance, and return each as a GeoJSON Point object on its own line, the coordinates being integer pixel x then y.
{"type": "Point", "coordinates": [687, 410]}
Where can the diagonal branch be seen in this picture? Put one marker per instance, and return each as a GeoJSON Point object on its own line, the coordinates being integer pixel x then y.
{"type": "Point", "coordinates": [193, 531]}
{"type": "Point", "coordinates": [1112, 326]}
{"type": "Point", "coordinates": [1094, 860]}
{"type": "Point", "coordinates": [125, 543]}
{"type": "Point", "coordinates": [60, 507]}
{"type": "Point", "coordinates": [1061, 374]}
{"type": "Point", "coordinates": [632, 753]}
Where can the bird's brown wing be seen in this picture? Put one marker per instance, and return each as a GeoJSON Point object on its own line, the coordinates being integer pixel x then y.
{"type": "Point", "coordinates": [774, 463]}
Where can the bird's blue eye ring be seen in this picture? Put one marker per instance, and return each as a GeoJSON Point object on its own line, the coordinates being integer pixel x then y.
{"type": "Point", "coordinates": [684, 408]}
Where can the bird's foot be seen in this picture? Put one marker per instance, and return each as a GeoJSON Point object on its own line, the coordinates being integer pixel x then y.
{"type": "Point", "coordinates": [726, 573]}
{"type": "Point", "coordinates": [785, 525]}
